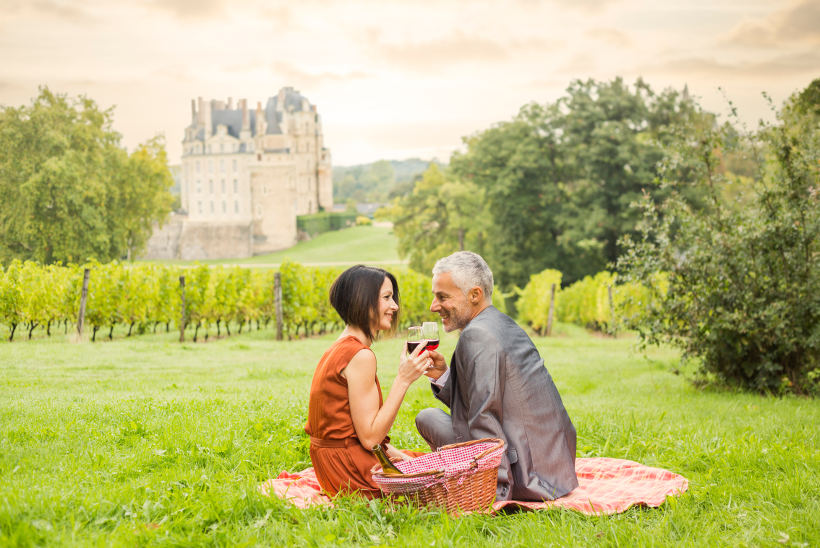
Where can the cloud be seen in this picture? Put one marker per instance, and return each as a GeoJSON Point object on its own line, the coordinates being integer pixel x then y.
{"type": "Point", "coordinates": [613, 37]}
{"type": "Point", "coordinates": [289, 73]}
{"type": "Point", "coordinates": [782, 65]}
{"type": "Point", "coordinates": [60, 10]}
{"type": "Point", "coordinates": [455, 49]}
{"type": "Point", "coordinates": [799, 23]}
{"type": "Point", "coordinates": [579, 63]}
{"type": "Point", "coordinates": [53, 9]}
{"type": "Point", "coordinates": [583, 5]}
{"type": "Point", "coordinates": [192, 9]}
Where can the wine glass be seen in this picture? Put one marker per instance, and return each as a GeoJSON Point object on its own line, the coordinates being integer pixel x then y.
{"type": "Point", "coordinates": [429, 331]}
{"type": "Point", "coordinates": [414, 338]}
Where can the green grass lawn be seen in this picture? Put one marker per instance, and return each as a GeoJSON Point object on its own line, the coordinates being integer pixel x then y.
{"type": "Point", "coordinates": [373, 245]}
{"type": "Point", "coordinates": [147, 441]}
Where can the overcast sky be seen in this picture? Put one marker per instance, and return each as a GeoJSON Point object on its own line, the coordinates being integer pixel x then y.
{"type": "Point", "coordinates": [397, 79]}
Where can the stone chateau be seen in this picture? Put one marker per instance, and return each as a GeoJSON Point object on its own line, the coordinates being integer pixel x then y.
{"type": "Point", "coordinates": [246, 173]}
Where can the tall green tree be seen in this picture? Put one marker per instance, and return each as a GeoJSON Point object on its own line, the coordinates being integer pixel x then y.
{"type": "Point", "coordinates": [441, 216]}
{"type": "Point", "coordinates": [141, 196]}
{"type": "Point", "coordinates": [68, 192]}
{"type": "Point", "coordinates": [559, 178]}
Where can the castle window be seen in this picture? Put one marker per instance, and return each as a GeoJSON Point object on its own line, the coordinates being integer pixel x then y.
{"type": "Point", "coordinates": [212, 206]}
{"type": "Point", "coordinates": [197, 166]}
{"type": "Point", "coordinates": [259, 157]}
{"type": "Point", "coordinates": [222, 165]}
{"type": "Point", "coordinates": [223, 186]}
{"type": "Point", "coordinates": [258, 210]}
{"type": "Point", "coordinates": [211, 186]}
{"type": "Point", "coordinates": [199, 205]}
{"type": "Point", "coordinates": [233, 165]}
{"type": "Point", "coordinates": [198, 186]}
{"type": "Point", "coordinates": [224, 207]}
{"type": "Point", "coordinates": [221, 147]}
{"type": "Point", "coordinates": [236, 206]}
{"type": "Point", "coordinates": [235, 186]}
{"type": "Point", "coordinates": [210, 165]}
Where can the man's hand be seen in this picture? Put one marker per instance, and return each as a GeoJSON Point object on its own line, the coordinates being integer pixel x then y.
{"type": "Point", "coordinates": [439, 365]}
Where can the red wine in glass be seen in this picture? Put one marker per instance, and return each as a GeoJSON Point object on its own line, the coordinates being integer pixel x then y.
{"type": "Point", "coordinates": [414, 338]}
{"type": "Point", "coordinates": [429, 331]}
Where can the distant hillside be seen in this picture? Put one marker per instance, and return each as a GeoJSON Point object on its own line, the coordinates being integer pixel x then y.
{"type": "Point", "coordinates": [378, 181]}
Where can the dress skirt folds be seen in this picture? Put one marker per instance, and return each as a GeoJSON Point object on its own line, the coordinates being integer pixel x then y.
{"type": "Point", "coordinates": [342, 465]}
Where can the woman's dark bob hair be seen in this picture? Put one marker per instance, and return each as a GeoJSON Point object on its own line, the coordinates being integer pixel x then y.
{"type": "Point", "coordinates": [355, 296]}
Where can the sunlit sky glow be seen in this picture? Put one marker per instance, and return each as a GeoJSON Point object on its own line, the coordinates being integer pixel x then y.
{"type": "Point", "coordinates": [396, 79]}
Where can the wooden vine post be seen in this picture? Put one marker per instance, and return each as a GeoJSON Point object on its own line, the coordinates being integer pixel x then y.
{"type": "Point", "coordinates": [83, 299]}
{"type": "Point", "coordinates": [277, 292]}
{"type": "Point", "coordinates": [182, 318]}
{"type": "Point", "coordinates": [552, 310]}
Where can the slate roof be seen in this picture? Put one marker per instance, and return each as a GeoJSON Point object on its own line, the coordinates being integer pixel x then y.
{"type": "Point", "coordinates": [232, 118]}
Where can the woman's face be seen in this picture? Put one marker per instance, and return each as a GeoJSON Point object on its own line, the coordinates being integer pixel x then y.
{"type": "Point", "coordinates": [387, 307]}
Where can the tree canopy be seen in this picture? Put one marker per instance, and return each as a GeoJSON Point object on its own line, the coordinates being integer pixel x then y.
{"type": "Point", "coordinates": [555, 183]}
{"type": "Point", "coordinates": [68, 191]}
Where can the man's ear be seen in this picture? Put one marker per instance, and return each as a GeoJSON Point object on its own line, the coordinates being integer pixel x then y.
{"type": "Point", "coordinates": [476, 295]}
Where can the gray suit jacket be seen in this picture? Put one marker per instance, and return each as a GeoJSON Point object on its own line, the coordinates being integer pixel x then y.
{"type": "Point", "coordinates": [499, 388]}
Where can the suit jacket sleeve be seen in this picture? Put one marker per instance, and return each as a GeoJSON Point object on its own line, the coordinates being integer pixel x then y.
{"type": "Point", "coordinates": [481, 379]}
{"type": "Point", "coordinates": [443, 391]}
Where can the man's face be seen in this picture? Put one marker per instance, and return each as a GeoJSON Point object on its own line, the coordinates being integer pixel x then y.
{"type": "Point", "coordinates": [450, 303]}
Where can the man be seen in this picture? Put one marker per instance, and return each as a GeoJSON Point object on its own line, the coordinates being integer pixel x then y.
{"type": "Point", "coordinates": [496, 387]}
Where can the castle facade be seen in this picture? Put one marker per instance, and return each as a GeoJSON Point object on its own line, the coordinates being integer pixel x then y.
{"type": "Point", "coordinates": [244, 177]}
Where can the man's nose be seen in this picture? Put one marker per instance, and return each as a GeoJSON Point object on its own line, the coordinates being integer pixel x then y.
{"type": "Point", "coordinates": [434, 306]}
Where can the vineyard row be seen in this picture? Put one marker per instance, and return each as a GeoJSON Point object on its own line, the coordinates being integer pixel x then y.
{"type": "Point", "coordinates": [144, 297]}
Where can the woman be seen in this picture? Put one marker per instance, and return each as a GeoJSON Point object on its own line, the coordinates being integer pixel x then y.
{"type": "Point", "coordinates": [346, 414]}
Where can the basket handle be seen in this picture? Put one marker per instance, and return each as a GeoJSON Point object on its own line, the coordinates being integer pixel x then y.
{"type": "Point", "coordinates": [486, 452]}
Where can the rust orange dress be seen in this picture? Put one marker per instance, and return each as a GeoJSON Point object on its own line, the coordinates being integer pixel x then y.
{"type": "Point", "coordinates": [340, 461]}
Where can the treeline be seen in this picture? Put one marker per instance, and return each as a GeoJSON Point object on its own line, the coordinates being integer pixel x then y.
{"type": "Point", "coordinates": [146, 297]}
{"type": "Point", "coordinates": [553, 187]}
{"type": "Point", "coordinates": [377, 182]}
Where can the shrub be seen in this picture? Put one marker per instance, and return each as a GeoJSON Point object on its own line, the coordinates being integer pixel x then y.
{"type": "Point", "coordinates": [534, 299]}
{"type": "Point", "coordinates": [317, 223]}
{"type": "Point", "coordinates": [743, 278]}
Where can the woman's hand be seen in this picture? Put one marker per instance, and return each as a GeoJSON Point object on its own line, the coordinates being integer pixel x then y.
{"type": "Point", "coordinates": [414, 365]}
{"type": "Point", "coordinates": [394, 454]}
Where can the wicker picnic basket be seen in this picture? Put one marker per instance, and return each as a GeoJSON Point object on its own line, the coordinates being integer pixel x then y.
{"type": "Point", "coordinates": [460, 477]}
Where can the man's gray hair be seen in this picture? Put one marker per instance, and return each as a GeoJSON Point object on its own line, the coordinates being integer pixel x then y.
{"type": "Point", "coordinates": [468, 270]}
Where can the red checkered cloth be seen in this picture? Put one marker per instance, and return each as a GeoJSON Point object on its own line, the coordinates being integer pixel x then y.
{"type": "Point", "coordinates": [452, 460]}
{"type": "Point", "coordinates": [606, 486]}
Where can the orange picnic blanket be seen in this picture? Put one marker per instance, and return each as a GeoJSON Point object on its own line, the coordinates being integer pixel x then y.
{"type": "Point", "coordinates": [605, 486]}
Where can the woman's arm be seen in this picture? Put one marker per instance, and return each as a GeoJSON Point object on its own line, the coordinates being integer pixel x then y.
{"type": "Point", "coordinates": [370, 422]}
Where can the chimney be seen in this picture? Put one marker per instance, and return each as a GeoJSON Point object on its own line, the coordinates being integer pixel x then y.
{"type": "Point", "coordinates": [230, 103]}
{"type": "Point", "coordinates": [246, 119]}
{"type": "Point", "coordinates": [207, 120]}
{"type": "Point", "coordinates": [193, 112]}
{"type": "Point", "coordinates": [200, 112]}
{"type": "Point", "coordinates": [260, 118]}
